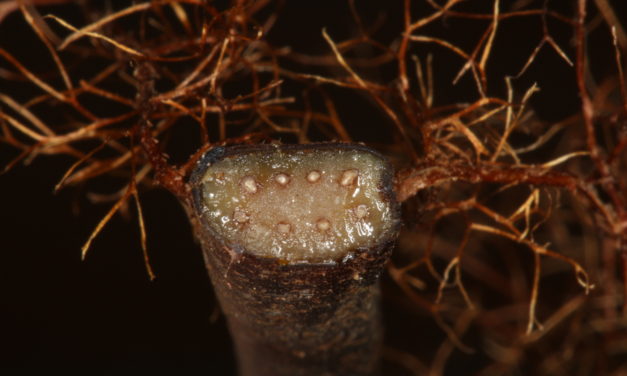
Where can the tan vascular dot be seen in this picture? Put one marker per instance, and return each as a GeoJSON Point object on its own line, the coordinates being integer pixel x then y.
{"type": "Point", "coordinates": [323, 224]}
{"type": "Point", "coordinates": [240, 216]}
{"type": "Point", "coordinates": [361, 211]}
{"type": "Point", "coordinates": [313, 176]}
{"type": "Point", "coordinates": [283, 228]}
{"type": "Point", "coordinates": [219, 176]}
{"type": "Point", "coordinates": [249, 184]}
{"type": "Point", "coordinates": [349, 177]}
{"type": "Point", "coordinates": [282, 179]}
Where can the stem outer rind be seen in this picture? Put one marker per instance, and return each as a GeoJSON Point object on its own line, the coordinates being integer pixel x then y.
{"type": "Point", "coordinates": [290, 318]}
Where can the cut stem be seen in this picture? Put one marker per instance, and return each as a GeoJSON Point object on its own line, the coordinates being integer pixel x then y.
{"type": "Point", "coordinates": [295, 238]}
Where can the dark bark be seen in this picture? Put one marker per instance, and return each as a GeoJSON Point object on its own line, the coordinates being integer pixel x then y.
{"type": "Point", "coordinates": [297, 318]}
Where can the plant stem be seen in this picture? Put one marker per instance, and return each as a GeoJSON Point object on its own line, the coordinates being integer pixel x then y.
{"type": "Point", "coordinates": [303, 299]}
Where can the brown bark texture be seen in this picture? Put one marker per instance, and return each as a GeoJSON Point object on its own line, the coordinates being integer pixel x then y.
{"type": "Point", "coordinates": [296, 318]}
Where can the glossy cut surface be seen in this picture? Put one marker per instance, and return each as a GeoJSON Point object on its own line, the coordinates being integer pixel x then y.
{"type": "Point", "coordinates": [299, 204]}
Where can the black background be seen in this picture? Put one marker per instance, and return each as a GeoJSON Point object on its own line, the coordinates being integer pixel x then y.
{"type": "Point", "coordinates": [102, 316]}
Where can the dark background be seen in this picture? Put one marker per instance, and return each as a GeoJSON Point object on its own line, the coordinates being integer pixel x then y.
{"type": "Point", "coordinates": [102, 316]}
